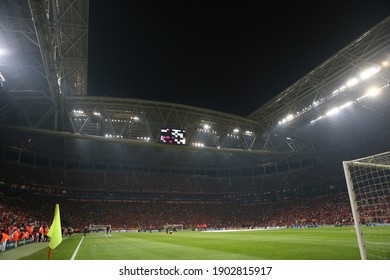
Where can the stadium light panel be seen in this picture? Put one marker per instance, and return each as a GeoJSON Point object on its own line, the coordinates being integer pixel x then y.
{"type": "Point", "coordinates": [352, 82]}
{"type": "Point", "coordinates": [332, 111]}
{"type": "Point", "coordinates": [373, 92]}
{"type": "Point", "coordinates": [79, 113]}
{"type": "Point", "coordinates": [198, 144]}
{"type": "Point", "coordinates": [369, 72]}
{"type": "Point", "coordinates": [364, 75]}
{"type": "Point", "coordinates": [290, 117]}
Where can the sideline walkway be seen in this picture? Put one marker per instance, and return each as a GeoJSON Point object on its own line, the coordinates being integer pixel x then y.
{"type": "Point", "coordinates": [25, 250]}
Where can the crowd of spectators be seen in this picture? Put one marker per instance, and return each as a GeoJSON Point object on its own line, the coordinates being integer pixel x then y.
{"type": "Point", "coordinates": [129, 199]}
{"type": "Point", "coordinates": [330, 209]}
{"type": "Point", "coordinates": [136, 200]}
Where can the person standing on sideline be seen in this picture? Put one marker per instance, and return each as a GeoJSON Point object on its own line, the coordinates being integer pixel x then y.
{"type": "Point", "coordinates": [85, 230]}
{"type": "Point", "coordinates": [16, 235]}
{"type": "Point", "coordinates": [3, 239]}
{"type": "Point", "coordinates": [41, 232]}
{"type": "Point", "coordinates": [108, 230]}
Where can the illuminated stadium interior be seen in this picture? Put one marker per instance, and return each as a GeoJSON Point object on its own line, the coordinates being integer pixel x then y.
{"type": "Point", "coordinates": [140, 164]}
{"type": "Point", "coordinates": [47, 119]}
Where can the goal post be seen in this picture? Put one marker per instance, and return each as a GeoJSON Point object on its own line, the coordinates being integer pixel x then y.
{"type": "Point", "coordinates": [172, 227]}
{"type": "Point", "coordinates": [355, 211]}
{"type": "Point", "coordinates": [368, 183]}
{"type": "Point", "coordinates": [97, 228]}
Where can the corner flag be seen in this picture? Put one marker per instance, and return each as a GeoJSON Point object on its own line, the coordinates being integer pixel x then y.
{"type": "Point", "coordinates": [55, 232]}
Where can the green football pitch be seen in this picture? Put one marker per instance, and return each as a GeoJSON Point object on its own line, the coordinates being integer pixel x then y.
{"type": "Point", "coordinates": [328, 243]}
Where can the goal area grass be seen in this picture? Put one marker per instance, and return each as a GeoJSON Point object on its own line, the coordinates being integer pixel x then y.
{"type": "Point", "coordinates": [323, 243]}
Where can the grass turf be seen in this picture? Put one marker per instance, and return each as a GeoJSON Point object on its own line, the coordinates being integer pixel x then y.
{"type": "Point", "coordinates": [330, 243]}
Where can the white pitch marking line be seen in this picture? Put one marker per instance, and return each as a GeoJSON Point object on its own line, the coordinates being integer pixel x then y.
{"type": "Point", "coordinates": [77, 249]}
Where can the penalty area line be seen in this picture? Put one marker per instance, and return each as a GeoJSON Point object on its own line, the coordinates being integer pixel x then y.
{"type": "Point", "coordinates": [77, 249]}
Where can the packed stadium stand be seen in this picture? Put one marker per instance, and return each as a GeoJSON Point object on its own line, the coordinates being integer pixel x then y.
{"type": "Point", "coordinates": [132, 163]}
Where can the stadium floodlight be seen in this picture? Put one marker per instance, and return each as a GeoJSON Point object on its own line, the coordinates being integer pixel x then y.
{"type": "Point", "coordinates": [369, 72]}
{"type": "Point", "coordinates": [352, 82]}
{"type": "Point", "coordinates": [373, 92]}
{"type": "Point", "coordinates": [364, 75]}
{"type": "Point", "coordinates": [368, 183]}
{"type": "Point", "coordinates": [336, 110]}
{"type": "Point", "coordinates": [332, 111]}
{"type": "Point", "coordinates": [78, 113]}
{"type": "Point", "coordinates": [198, 144]}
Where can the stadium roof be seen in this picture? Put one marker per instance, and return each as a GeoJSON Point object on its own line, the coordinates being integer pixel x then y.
{"type": "Point", "coordinates": [46, 114]}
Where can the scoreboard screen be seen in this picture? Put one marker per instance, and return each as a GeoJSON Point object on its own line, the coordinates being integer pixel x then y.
{"type": "Point", "coordinates": [173, 136]}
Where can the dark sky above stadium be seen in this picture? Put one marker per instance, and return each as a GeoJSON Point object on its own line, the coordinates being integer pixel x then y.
{"type": "Point", "coordinates": [229, 56]}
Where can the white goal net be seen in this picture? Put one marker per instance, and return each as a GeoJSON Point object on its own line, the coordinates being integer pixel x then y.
{"type": "Point", "coordinates": [173, 227]}
{"type": "Point", "coordinates": [368, 182]}
{"type": "Point", "coordinates": [97, 228]}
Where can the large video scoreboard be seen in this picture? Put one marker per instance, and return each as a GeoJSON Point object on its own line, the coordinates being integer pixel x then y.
{"type": "Point", "coordinates": [173, 136]}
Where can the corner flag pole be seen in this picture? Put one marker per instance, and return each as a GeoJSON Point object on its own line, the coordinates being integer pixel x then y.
{"type": "Point", "coordinates": [55, 232]}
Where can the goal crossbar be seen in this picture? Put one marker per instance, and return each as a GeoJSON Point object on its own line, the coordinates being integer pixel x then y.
{"type": "Point", "coordinates": [367, 164]}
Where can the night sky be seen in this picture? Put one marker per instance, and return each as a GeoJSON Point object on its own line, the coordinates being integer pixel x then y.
{"type": "Point", "coordinates": [229, 56]}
